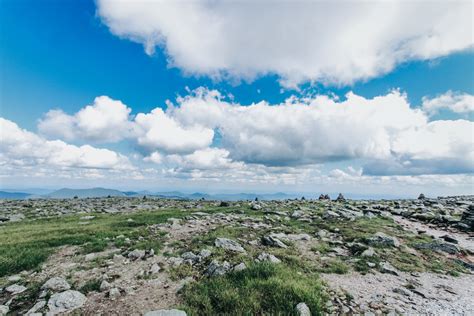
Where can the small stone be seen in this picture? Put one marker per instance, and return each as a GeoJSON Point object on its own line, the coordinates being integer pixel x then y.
{"type": "Point", "coordinates": [16, 289]}
{"type": "Point", "coordinates": [370, 252]}
{"type": "Point", "coordinates": [386, 267]}
{"type": "Point", "coordinates": [136, 254]}
{"type": "Point", "coordinates": [268, 258]}
{"type": "Point", "coordinates": [256, 207]}
{"type": "Point", "coordinates": [86, 218]}
{"type": "Point", "coordinates": [228, 244]}
{"type": "Point", "coordinates": [114, 293]}
{"type": "Point", "coordinates": [371, 264]}
{"type": "Point", "coordinates": [14, 278]}
{"type": "Point", "coordinates": [241, 266]}
{"type": "Point", "coordinates": [273, 242]}
{"type": "Point", "coordinates": [302, 310]}
{"type": "Point", "coordinates": [381, 239]}
{"type": "Point", "coordinates": [154, 269]}
{"type": "Point", "coordinates": [216, 269]}
{"type": "Point", "coordinates": [105, 286]}
{"type": "Point", "coordinates": [204, 253]}
{"type": "Point", "coordinates": [90, 257]}
{"type": "Point", "coordinates": [56, 284]}
{"type": "Point", "coordinates": [449, 239]}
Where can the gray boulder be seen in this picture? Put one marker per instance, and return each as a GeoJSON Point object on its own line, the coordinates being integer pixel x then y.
{"type": "Point", "coordinates": [136, 254]}
{"type": "Point", "coordinates": [382, 240]}
{"type": "Point", "coordinates": [65, 302]}
{"type": "Point", "coordinates": [386, 267]}
{"type": "Point", "coordinates": [4, 310]}
{"type": "Point", "coordinates": [228, 244]}
{"type": "Point", "coordinates": [439, 246]}
{"type": "Point", "coordinates": [266, 257]}
{"type": "Point", "coordinates": [56, 284]}
{"type": "Point", "coordinates": [16, 289]}
{"type": "Point", "coordinates": [273, 242]}
{"type": "Point", "coordinates": [216, 269]}
{"type": "Point", "coordinates": [241, 266]}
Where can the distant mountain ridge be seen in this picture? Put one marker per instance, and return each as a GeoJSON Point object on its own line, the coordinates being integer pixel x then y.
{"type": "Point", "coordinates": [14, 195]}
{"type": "Point", "coordinates": [67, 193]}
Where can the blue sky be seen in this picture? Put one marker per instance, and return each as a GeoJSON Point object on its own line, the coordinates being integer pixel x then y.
{"type": "Point", "coordinates": [63, 54]}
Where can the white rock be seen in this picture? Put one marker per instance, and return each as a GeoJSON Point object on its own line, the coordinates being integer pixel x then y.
{"type": "Point", "coordinates": [39, 305]}
{"type": "Point", "coordinates": [105, 286]}
{"type": "Point", "coordinates": [302, 310]}
{"type": "Point", "coordinates": [56, 284]}
{"type": "Point", "coordinates": [370, 252]}
{"type": "Point", "coordinates": [14, 278]}
{"type": "Point", "coordinates": [136, 254]}
{"type": "Point", "coordinates": [15, 289]}
{"type": "Point", "coordinates": [241, 266]}
{"type": "Point", "coordinates": [154, 269]}
{"type": "Point", "coordinates": [65, 302]}
{"type": "Point", "coordinates": [228, 244]}
{"type": "Point", "coordinates": [114, 293]}
{"type": "Point", "coordinates": [268, 257]}
{"type": "Point", "coordinates": [4, 310]}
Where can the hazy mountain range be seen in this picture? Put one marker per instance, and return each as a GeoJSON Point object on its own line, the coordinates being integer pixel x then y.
{"type": "Point", "coordinates": [67, 193]}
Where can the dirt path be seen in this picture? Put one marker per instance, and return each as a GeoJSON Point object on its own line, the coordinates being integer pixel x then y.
{"type": "Point", "coordinates": [433, 294]}
{"type": "Point", "coordinates": [464, 240]}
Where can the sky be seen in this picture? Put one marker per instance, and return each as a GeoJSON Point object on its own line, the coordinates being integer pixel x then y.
{"type": "Point", "coordinates": [364, 98]}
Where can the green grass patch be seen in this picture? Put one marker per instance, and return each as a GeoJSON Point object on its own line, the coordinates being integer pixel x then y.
{"type": "Point", "coordinates": [260, 289]}
{"type": "Point", "coordinates": [180, 272]}
{"type": "Point", "coordinates": [27, 244]}
{"type": "Point", "coordinates": [91, 286]}
{"type": "Point", "coordinates": [334, 266]}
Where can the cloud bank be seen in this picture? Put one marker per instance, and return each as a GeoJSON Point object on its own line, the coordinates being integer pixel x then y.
{"type": "Point", "coordinates": [203, 131]}
{"type": "Point", "coordinates": [303, 41]}
{"type": "Point", "coordinates": [19, 147]}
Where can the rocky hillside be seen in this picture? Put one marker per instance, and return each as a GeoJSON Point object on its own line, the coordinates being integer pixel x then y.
{"type": "Point", "coordinates": [146, 256]}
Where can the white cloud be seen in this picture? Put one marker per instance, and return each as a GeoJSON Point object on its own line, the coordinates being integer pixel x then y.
{"type": "Point", "coordinates": [303, 131]}
{"type": "Point", "coordinates": [326, 41]}
{"type": "Point", "coordinates": [106, 120]}
{"type": "Point", "coordinates": [158, 131]}
{"type": "Point", "coordinates": [384, 131]}
{"type": "Point", "coordinates": [25, 149]}
{"type": "Point", "coordinates": [456, 102]}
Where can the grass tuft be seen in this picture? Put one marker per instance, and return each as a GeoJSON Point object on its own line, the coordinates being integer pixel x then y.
{"type": "Point", "coordinates": [260, 289]}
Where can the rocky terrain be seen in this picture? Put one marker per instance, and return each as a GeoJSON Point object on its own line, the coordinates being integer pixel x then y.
{"type": "Point", "coordinates": [148, 256]}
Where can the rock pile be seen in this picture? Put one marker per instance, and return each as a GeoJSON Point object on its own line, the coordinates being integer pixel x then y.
{"type": "Point", "coordinates": [467, 218]}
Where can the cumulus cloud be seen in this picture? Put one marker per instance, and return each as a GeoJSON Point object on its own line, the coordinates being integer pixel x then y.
{"type": "Point", "coordinates": [327, 41]}
{"type": "Point", "coordinates": [22, 148]}
{"type": "Point", "coordinates": [303, 131]}
{"type": "Point", "coordinates": [456, 102]}
{"type": "Point", "coordinates": [385, 131]}
{"type": "Point", "coordinates": [106, 120]}
{"type": "Point", "coordinates": [158, 131]}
